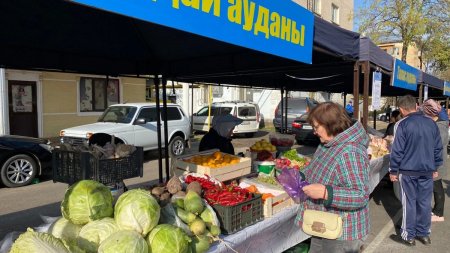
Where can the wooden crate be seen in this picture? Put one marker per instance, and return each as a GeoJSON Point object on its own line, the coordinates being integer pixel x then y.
{"type": "Point", "coordinates": [276, 204]}
{"type": "Point", "coordinates": [223, 173]}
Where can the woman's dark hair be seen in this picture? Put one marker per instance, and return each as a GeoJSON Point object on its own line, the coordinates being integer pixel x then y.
{"type": "Point", "coordinates": [395, 115]}
{"type": "Point", "coordinates": [331, 116]}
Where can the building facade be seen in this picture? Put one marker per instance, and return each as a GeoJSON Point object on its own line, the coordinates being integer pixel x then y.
{"type": "Point", "coordinates": [40, 104]}
{"type": "Point", "coordinates": [339, 12]}
{"type": "Point", "coordinates": [395, 50]}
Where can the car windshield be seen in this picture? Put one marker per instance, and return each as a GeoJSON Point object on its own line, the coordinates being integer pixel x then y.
{"type": "Point", "coordinates": [118, 114]}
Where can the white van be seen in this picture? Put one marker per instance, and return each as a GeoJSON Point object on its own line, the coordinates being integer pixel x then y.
{"type": "Point", "coordinates": [247, 111]}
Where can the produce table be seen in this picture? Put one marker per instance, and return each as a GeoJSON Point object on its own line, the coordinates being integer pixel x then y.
{"type": "Point", "coordinates": [280, 232]}
{"type": "Point", "coordinates": [274, 234]}
{"type": "Point", "coordinates": [378, 169]}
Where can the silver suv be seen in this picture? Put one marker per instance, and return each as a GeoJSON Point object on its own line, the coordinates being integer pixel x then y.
{"type": "Point", "coordinates": [296, 107]}
{"type": "Point", "coordinates": [135, 124]}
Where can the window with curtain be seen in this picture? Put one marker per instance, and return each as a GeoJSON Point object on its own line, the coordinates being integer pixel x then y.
{"type": "Point", "coordinates": [96, 94]}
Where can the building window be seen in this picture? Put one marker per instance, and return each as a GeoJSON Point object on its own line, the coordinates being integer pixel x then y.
{"type": "Point", "coordinates": [316, 6]}
{"type": "Point", "coordinates": [334, 14]}
{"type": "Point", "coordinates": [96, 95]}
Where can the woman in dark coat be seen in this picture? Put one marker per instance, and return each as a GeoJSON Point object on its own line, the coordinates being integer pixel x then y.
{"type": "Point", "coordinates": [219, 136]}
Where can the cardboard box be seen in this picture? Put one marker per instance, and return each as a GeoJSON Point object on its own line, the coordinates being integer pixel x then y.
{"type": "Point", "coordinates": [224, 173]}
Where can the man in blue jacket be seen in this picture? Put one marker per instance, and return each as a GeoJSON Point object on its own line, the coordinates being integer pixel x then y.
{"type": "Point", "coordinates": [415, 156]}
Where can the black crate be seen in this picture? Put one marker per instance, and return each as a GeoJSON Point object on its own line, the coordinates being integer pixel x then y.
{"type": "Point", "coordinates": [71, 166]}
{"type": "Point", "coordinates": [237, 217]}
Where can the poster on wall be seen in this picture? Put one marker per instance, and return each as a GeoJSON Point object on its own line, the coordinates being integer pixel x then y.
{"type": "Point", "coordinates": [112, 92]}
{"type": "Point", "coordinates": [86, 95]}
{"type": "Point", "coordinates": [376, 90]}
{"type": "Point", "coordinates": [22, 98]}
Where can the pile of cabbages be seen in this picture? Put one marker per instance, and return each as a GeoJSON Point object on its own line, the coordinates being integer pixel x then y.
{"type": "Point", "coordinates": [90, 223]}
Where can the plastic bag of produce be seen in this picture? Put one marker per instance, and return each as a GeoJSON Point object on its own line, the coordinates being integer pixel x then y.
{"type": "Point", "coordinates": [175, 215]}
{"type": "Point", "coordinates": [293, 184]}
{"type": "Point", "coordinates": [169, 216]}
{"type": "Point", "coordinates": [8, 240]}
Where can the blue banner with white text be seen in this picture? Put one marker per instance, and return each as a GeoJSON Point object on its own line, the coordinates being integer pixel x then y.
{"type": "Point", "coordinates": [281, 28]}
{"type": "Point", "coordinates": [404, 76]}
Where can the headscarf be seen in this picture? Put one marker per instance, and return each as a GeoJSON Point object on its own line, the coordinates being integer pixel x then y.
{"type": "Point", "coordinates": [431, 108]}
{"type": "Point", "coordinates": [223, 124]}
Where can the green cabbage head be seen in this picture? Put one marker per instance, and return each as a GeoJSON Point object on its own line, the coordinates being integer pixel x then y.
{"type": "Point", "coordinates": [124, 241]}
{"type": "Point", "coordinates": [95, 232]}
{"type": "Point", "coordinates": [35, 242]}
{"type": "Point", "coordinates": [85, 201]}
{"type": "Point", "coordinates": [64, 229]}
{"type": "Point", "coordinates": [166, 238]}
{"type": "Point", "coordinates": [137, 210]}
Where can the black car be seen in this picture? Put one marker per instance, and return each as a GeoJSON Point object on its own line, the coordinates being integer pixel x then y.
{"type": "Point", "coordinates": [303, 131]}
{"type": "Point", "coordinates": [22, 159]}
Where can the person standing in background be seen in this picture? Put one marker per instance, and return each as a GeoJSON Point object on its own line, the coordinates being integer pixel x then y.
{"type": "Point", "coordinates": [415, 156]}
{"type": "Point", "coordinates": [388, 111]}
{"type": "Point", "coordinates": [433, 109]}
{"type": "Point", "coordinates": [349, 108]}
{"type": "Point", "coordinates": [443, 113]}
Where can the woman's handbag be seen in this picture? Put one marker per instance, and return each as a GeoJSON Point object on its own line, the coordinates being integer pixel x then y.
{"type": "Point", "coordinates": [322, 224]}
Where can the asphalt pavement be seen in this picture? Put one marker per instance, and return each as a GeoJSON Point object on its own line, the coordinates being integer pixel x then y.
{"type": "Point", "coordinates": [22, 207]}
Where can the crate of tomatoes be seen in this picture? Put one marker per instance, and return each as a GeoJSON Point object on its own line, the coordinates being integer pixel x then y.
{"type": "Point", "coordinates": [235, 207]}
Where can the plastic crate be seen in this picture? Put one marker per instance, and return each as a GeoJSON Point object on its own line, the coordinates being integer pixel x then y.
{"type": "Point", "coordinates": [71, 166]}
{"type": "Point", "coordinates": [235, 218]}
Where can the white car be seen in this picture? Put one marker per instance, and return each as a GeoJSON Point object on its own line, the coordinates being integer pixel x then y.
{"type": "Point", "coordinates": [135, 124]}
{"type": "Point", "coordinates": [247, 111]}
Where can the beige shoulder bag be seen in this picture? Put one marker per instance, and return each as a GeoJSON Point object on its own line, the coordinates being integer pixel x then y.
{"type": "Point", "coordinates": [322, 224]}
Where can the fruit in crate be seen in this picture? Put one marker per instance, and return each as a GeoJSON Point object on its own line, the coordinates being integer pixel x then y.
{"type": "Point", "coordinates": [282, 141]}
{"type": "Point", "coordinates": [262, 145]}
{"type": "Point", "coordinates": [214, 160]}
{"type": "Point", "coordinates": [282, 162]}
{"type": "Point", "coordinates": [264, 156]}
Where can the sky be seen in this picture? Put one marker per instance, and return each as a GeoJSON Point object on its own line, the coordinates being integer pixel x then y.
{"type": "Point", "coordinates": [357, 5]}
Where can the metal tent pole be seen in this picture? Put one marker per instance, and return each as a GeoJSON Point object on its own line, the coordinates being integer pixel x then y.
{"type": "Point", "coordinates": [158, 128]}
{"type": "Point", "coordinates": [356, 90]}
{"type": "Point", "coordinates": [166, 132]}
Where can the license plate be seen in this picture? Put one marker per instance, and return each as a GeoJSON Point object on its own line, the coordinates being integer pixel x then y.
{"type": "Point", "coordinates": [307, 127]}
{"type": "Point", "coordinates": [245, 123]}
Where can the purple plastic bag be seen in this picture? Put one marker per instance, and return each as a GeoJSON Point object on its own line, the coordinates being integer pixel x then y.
{"type": "Point", "coordinates": [293, 184]}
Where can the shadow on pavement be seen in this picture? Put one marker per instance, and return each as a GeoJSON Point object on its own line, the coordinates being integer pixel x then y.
{"type": "Point", "coordinates": [384, 195]}
{"type": "Point", "coordinates": [447, 186]}
{"type": "Point", "coordinates": [20, 221]}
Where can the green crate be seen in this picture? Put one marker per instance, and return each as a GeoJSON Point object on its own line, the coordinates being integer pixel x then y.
{"type": "Point", "coordinates": [299, 248]}
{"type": "Point", "coordinates": [235, 218]}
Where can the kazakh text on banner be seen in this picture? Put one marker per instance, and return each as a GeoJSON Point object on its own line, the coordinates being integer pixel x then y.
{"type": "Point", "coordinates": [404, 76]}
{"type": "Point", "coordinates": [281, 28]}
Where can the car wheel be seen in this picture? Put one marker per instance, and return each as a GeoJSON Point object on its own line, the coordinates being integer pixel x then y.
{"type": "Point", "coordinates": [383, 118]}
{"type": "Point", "coordinates": [18, 170]}
{"type": "Point", "coordinates": [177, 146]}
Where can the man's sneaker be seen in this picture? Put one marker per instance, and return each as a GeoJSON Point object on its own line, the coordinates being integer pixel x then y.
{"type": "Point", "coordinates": [424, 239]}
{"type": "Point", "coordinates": [435, 218]}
